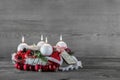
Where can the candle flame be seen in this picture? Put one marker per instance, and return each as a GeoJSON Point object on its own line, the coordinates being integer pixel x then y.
{"type": "Point", "coordinates": [23, 39]}
{"type": "Point", "coordinates": [61, 37]}
{"type": "Point", "coordinates": [46, 40]}
{"type": "Point", "coordinates": [41, 37]}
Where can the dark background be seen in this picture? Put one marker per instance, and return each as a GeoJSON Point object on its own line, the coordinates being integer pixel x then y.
{"type": "Point", "coordinates": [91, 28]}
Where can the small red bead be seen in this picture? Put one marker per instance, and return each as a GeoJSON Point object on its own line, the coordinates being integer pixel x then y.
{"type": "Point", "coordinates": [16, 65]}
{"type": "Point", "coordinates": [36, 67]}
{"type": "Point", "coordinates": [32, 68]}
{"type": "Point", "coordinates": [26, 67]}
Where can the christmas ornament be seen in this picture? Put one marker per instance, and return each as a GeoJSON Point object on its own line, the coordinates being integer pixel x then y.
{"type": "Point", "coordinates": [26, 67]}
{"type": "Point", "coordinates": [45, 57]}
{"type": "Point", "coordinates": [66, 54]}
{"type": "Point", "coordinates": [46, 49]}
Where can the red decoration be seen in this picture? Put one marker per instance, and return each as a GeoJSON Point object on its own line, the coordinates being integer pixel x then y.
{"type": "Point", "coordinates": [16, 65]}
{"type": "Point", "coordinates": [26, 67]}
{"type": "Point", "coordinates": [54, 61]}
{"type": "Point", "coordinates": [32, 67]}
{"type": "Point", "coordinates": [37, 67]}
{"type": "Point", "coordinates": [32, 57]}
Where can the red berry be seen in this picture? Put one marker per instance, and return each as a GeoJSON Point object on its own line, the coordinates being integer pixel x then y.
{"type": "Point", "coordinates": [26, 67]}
{"type": "Point", "coordinates": [36, 67]}
{"type": "Point", "coordinates": [54, 67]}
{"type": "Point", "coordinates": [46, 68]}
{"type": "Point", "coordinates": [20, 67]}
{"type": "Point", "coordinates": [16, 65]}
{"type": "Point", "coordinates": [40, 66]}
{"type": "Point", "coordinates": [50, 67]}
{"type": "Point", "coordinates": [32, 68]}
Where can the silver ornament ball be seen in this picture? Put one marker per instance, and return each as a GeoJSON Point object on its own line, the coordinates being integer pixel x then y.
{"type": "Point", "coordinates": [46, 49]}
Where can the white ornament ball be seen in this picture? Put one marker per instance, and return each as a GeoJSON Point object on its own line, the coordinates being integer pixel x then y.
{"type": "Point", "coordinates": [61, 44]}
{"type": "Point", "coordinates": [46, 49]}
{"type": "Point", "coordinates": [22, 46]}
{"type": "Point", "coordinates": [39, 44]}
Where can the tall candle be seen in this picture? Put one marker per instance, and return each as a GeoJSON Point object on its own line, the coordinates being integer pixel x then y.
{"type": "Point", "coordinates": [22, 45]}
{"type": "Point", "coordinates": [46, 49]}
{"type": "Point", "coordinates": [40, 43]}
{"type": "Point", "coordinates": [61, 43]}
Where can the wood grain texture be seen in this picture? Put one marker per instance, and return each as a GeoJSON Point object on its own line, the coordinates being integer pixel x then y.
{"type": "Point", "coordinates": [90, 27]}
{"type": "Point", "coordinates": [87, 73]}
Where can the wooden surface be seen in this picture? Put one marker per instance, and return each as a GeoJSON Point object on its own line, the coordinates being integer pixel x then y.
{"type": "Point", "coordinates": [90, 28]}
{"type": "Point", "coordinates": [93, 69]}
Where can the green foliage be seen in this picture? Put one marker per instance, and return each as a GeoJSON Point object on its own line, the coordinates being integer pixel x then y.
{"type": "Point", "coordinates": [39, 55]}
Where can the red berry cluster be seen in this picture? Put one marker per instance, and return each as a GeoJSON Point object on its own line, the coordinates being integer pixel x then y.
{"type": "Point", "coordinates": [20, 62]}
{"type": "Point", "coordinates": [37, 67]}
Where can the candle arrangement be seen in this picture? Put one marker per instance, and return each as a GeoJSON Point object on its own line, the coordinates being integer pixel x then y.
{"type": "Point", "coordinates": [45, 57]}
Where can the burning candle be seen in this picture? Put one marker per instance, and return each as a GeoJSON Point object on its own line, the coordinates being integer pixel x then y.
{"type": "Point", "coordinates": [46, 49]}
{"type": "Point", "coordinates": [22, 45]}
{"type": "Point", "coordinates": [23, 39]}
{"type": "Point", "coordinates": [40, 43]}
{"type": "Point", "coordinates": [61, 43]}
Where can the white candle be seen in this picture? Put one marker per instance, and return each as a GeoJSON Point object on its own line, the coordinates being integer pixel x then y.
{"type": "Point", "coordinates": [61, 37]}
{"type": "Point", "coordinates": [46, 49]}
{"type": "Point", "coordinates": [23, 39]}
{"type": "Point", "coordinates": [46, 40]}
{"type": "Point", "coordinates": [41, 37]}
{"type": "Point", "coordinates": [40, 43]}
{"type": "Point", "coordinates": [22, 45]}
{"type": "Point", "coordinates": [61, 43]}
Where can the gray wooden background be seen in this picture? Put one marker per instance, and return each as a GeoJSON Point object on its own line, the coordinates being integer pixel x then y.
{"type": "Point", "coordinates": [90, 27]}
